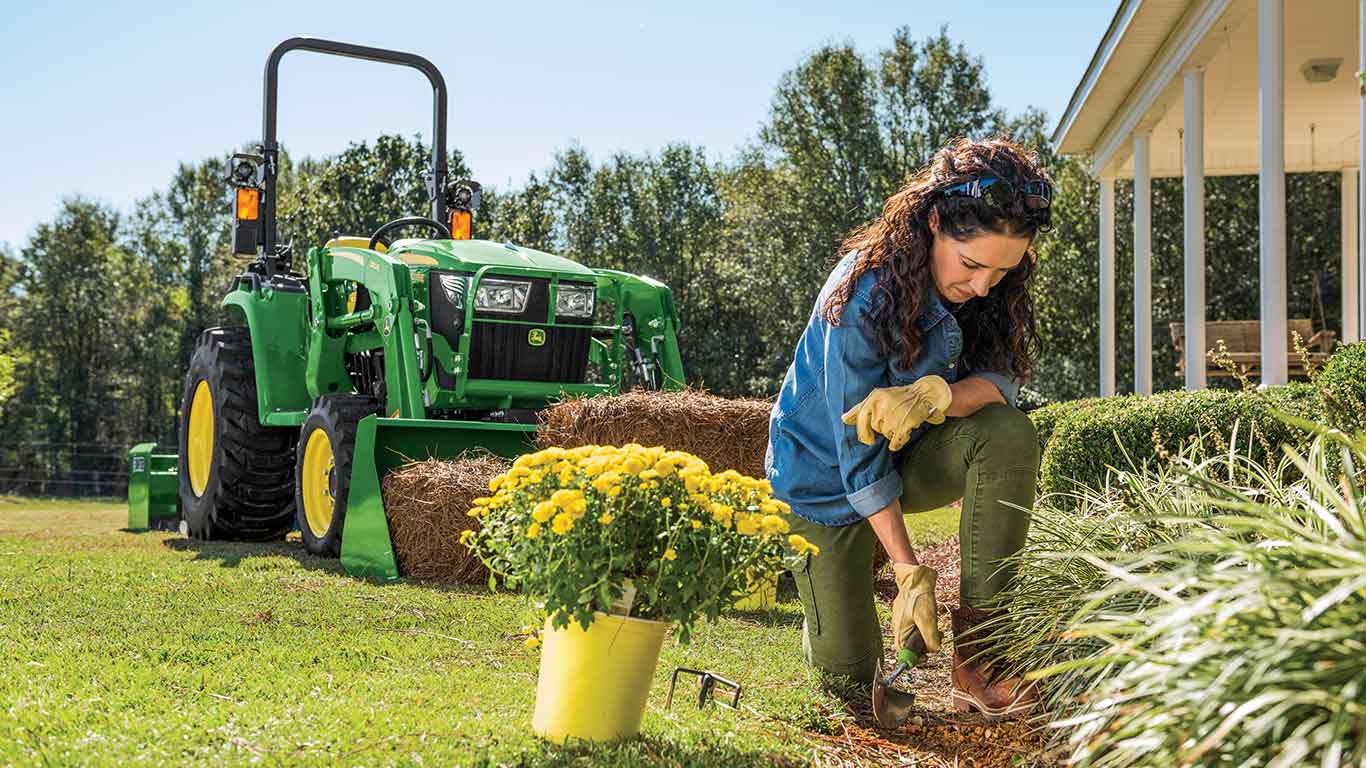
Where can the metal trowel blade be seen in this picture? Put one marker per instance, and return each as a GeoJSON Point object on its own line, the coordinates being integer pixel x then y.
{"type": "Point", "coordinates": [891, 707]}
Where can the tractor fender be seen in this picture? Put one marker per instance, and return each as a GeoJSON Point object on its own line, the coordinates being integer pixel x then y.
{"type": "Point", "coordinates": [276, 320]}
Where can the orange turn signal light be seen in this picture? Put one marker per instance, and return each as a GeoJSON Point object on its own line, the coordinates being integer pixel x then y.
{"type": "Point", "coordinates": [462, 224]}
{"type": "Point", "coordinates": [248, 204]}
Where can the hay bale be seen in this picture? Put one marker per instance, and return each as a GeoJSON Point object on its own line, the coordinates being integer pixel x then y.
{"type": "Point", "coordinates": [726, 433]}
{"type": "Point", "coordinates": [427, 504]}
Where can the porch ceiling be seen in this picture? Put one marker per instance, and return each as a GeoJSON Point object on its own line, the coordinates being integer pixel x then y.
{"type": "Point", "coordinates": [1321, 119]}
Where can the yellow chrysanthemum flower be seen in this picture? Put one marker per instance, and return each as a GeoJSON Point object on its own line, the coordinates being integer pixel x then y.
{"type": "Point", "coordinates": [543, 511]}
{"type": "Point", "coordinates": [466, 537]}
{"type": "Point", "coordinates": [696, 524]}
{"type": "Point", "coordinates": [606, 518]}
{"type": "Point", "coordinates": [801, 545]}
{"type": "Point", "coordinates": [670, 554]}
{"type": "Point", "coordinates": [772, 524]}
{"type": "Point", "coordinates": [564, 523]}
{"type": "Point", "coordinates": [746, 525]}
{"type": "Point", "coordinates": [666, 502]}
{"type": "Point", "coordinates": [533, 530]}
{"type": "Point", "coordinates": [604, 482]}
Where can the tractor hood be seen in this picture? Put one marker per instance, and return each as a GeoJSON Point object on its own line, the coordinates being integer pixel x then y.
{"type": "Point", "coordinates": [470, 255]}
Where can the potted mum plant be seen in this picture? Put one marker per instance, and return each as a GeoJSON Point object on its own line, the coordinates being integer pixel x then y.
{"type": "Point", "coordinates": [623, 543]}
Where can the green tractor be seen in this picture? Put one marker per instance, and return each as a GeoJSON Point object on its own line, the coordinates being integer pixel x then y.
{"type": "Point", "coordinates": [387, 350]}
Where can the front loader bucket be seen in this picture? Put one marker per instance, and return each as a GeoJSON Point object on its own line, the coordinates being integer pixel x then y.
{"type": "Point", "coordinates": [384, 444]}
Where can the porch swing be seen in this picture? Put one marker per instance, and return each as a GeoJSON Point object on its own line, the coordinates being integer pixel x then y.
{"type": "Point", "coordinates": [1243, 340]}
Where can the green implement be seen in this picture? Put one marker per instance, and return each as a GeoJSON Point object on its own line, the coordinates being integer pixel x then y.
{"type": "Point", "coordinates": [152, 482]}
{"type": "Point", "coordinates": [382, 350]}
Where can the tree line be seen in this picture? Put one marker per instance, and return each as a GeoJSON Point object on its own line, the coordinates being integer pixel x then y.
{"type": "Point", "coordinates": [100, 309]}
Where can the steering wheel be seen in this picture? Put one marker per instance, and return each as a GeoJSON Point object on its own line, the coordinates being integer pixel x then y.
{"type": "Point", "coordinates": [408, 221]}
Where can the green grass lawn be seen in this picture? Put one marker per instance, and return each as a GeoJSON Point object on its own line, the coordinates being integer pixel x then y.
{"type": "Point", "coordinates": [124, 648]}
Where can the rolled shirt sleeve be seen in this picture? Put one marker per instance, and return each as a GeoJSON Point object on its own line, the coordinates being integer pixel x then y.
{"type": "Point", "coordinates": [853, 368]}
{"type": "Point", "coordinates": [1010, 388]}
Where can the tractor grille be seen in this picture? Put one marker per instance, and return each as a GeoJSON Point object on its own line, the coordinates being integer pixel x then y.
{"type": "Point", "coordinates": [500, 351]}
{"type": "Point", "coordinates": [504, 351]}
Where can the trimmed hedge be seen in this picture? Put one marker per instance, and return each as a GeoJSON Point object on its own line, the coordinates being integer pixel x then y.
{"type": "Point", "coordinates": [1046, 418]}
{"type": "Point", "coordinates": [1084, 438]}
{"type": "Point", "coordinates": [1342, 386]}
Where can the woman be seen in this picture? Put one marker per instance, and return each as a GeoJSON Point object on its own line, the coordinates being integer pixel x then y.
{"type": "Point", "coordinates": [927, 316]}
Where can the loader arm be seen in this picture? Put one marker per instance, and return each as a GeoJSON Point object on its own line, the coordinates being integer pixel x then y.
{"type": "Point", "coordinates": [389, 283]}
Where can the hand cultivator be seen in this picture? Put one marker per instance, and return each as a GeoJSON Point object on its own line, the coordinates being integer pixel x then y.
{"type": "Point", "coordinates": [386, 350]}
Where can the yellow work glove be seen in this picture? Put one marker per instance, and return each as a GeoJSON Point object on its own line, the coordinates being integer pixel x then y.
{"type": "Point", "coordinates": [914, 607]}
{"type": "Point", "coordinates": [895, 412]}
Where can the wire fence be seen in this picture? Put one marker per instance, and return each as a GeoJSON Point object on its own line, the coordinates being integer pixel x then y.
{"type": "Point", "coordinates": [65, 469]}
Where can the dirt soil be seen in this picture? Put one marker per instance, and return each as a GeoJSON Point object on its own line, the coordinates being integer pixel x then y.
{"type": "Point", "coordinates": [936, 735]}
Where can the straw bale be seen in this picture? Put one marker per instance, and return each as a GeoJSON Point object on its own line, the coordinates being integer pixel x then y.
{"type": "Point", "coordinates": [427, 504]}
{"type": "Point", "coordinates": [727, 433]}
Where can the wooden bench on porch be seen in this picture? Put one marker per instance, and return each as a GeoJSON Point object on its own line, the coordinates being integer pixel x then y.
{"type": "Point", "coordinates": [1243, 339]}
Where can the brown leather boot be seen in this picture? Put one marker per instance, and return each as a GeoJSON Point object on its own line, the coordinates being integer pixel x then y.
{"type": "Point", "coordinates": [975, 687]}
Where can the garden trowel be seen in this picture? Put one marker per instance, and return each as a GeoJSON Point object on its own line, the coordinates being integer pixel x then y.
{"type": "Point", "coordinates": [890, 706]}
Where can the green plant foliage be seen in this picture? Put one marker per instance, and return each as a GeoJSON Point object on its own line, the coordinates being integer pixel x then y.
{"type": "Point", "coordinates": [1127, 432]}
{"type": "Point", "coordinates": [1046, 418]}
{"type": "Point", "coordinates": [7, 362]}
{"type": "Point", "coordinates": [1342, 386]}
{"type": "Point", "coordinates": [1204, 611]}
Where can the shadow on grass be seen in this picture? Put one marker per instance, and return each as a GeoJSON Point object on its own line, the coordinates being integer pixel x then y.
{"type": "Point", "coordinates": [649, 750]}
{"type": "Point", "coordinates": [231, 554]}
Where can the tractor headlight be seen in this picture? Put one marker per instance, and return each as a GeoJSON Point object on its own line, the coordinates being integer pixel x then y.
{"type": "Point", "coordinates": [575, 300]}
{"type": "Point", "coordinates": [506, 296]}
{"type": "Point", "coordinates": [455, 287]}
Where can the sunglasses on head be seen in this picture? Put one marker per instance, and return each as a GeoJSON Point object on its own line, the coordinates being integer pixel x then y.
{"type": "Point", "coordinates": [1000, 194]}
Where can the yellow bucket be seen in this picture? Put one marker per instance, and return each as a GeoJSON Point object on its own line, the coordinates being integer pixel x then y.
{"type": "Point", "coordinates": [762, 595]}
{"type": "Point", "coordinates": [593, 684]}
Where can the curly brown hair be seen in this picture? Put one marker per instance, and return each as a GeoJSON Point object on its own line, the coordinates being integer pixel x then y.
{"type": "Point", "coordinates": [999, 331]}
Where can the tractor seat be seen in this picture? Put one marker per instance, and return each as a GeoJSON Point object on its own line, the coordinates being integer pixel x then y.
{"type": "Point", "coordinates": [354, 241]}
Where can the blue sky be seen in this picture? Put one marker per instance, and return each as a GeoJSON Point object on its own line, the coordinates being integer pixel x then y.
{"type": "Point", "coordinates": [104, 99]}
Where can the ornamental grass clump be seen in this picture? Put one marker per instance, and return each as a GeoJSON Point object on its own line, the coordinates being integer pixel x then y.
{"type": "Point", "coordinates": [1204, 613]}
{"type": "Point", "coordinates": [645, 532]}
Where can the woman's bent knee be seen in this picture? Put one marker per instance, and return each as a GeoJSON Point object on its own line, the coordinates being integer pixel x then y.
{"type": "Point", "coordinates": [1007, 435]}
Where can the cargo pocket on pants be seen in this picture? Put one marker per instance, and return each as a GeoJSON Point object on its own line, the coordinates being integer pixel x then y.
{"type": "Point", "coordinates": [800, 567]}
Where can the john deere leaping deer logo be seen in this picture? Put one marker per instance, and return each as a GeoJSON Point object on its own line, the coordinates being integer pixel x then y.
{"type": "Point", "coordinates": [535, 337]}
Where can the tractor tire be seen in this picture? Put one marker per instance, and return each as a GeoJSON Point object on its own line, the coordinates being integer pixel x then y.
{"type": "Point", "coordinates": [322, 469]}
{"type": "Point", "coordinates": [236, 476]}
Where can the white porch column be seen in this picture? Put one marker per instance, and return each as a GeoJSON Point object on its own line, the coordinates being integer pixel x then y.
{"type": "Point", "coordinates": [1361, 162]}
{"type": "Point", "coordinates": [1143, 267]}
{"type": "Point", "coordinates": [1193, 160]}
{"type": "Point", "coordinates": [1271, 183]}
{"type": "Point", "coordinates": [1350, 292]}
{"type": "Point", "coordinates": [1107, 286]}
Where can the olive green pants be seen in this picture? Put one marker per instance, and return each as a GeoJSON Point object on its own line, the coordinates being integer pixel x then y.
{"type": "Point", "coordinates": [989, 460]}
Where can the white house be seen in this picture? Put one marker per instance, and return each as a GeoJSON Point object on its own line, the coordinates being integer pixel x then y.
{"type": "Point", "coordinates": [1185, 88]}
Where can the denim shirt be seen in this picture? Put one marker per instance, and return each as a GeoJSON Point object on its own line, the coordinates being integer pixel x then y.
{"type": "Point", "coordinates": [815, 461]}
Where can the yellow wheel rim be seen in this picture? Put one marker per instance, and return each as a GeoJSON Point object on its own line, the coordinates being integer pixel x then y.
{"type": "Point", "coordinates": [317, 483]}
{"type": "Point", "coordinates": [199, 443]}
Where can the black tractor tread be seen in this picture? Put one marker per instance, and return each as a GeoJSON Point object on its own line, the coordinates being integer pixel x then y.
{"type": "Point", "coordinates": [250, 495]}
{"type": "Point", "coordinates": [344, 412]}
